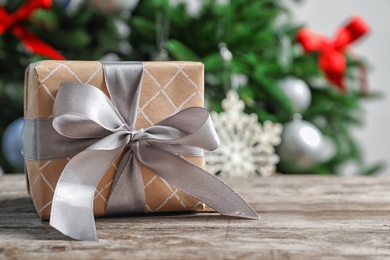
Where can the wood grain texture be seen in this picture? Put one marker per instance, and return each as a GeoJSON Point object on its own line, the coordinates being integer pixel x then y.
{"type": "Point", "coordinates": [302, 217]}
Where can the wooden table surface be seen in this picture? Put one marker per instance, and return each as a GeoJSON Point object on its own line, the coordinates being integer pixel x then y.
{"type": "Point", "coordinates": [302, 217]}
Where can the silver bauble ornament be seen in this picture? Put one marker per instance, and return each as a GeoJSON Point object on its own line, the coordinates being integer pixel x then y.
{"type": "Point", "coordinates": [328, 150]}
{"type": "Point", "coordinates": [63, 3]}
{"type": "Point", "coordinates": [11, 144]}
{"type": "Point", "coordinates": [113, 6]}
{"type": "Point", "coordinates": [225, 53]}
{"type": "Point", "coordinates": [301, 145]}
{"type": "Point", "coordinates": [298, 92]}
{"type": "Point", "coordinates": [110, 57]}
{"type": "Point", "coordinates": [70, 6]}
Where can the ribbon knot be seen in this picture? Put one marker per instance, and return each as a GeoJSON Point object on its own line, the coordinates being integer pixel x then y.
{"type": "Point", "coordinates": [136, 135]}
{"type": "Point", "coordinates": [331, 58]}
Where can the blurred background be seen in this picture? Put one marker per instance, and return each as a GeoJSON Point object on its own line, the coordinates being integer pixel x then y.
{"type": "Point", "coordinates": [312, 72]}
{"type": "Point", "coordinates": [324, 16]}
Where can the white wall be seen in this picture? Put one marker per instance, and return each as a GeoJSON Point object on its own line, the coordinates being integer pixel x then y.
{"type": "Point", "coordinates": [325, 16]}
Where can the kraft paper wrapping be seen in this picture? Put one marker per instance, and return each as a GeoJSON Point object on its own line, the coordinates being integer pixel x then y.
{"type": "Point", "coordinates": [166, 88]}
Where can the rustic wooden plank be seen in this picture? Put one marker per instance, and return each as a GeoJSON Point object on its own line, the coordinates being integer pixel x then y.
{"type": "Point", "coordinates": [302, 217]}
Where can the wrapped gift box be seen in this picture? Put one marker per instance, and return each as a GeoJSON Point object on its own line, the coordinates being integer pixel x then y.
{"type": "Point", "coordinates": [166, 88]}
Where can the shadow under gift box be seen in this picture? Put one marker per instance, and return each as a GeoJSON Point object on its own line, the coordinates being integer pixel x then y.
{"type": "Point", "coordinates": [166, 88]}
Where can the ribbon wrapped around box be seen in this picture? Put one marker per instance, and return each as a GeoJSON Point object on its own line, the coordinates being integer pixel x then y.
{"type": "Point", "coordinates": [112, 138]}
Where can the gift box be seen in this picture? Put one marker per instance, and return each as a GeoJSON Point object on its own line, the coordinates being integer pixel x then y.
{"type": "Point", "coordinates": [166, 87]}
{"type": "Point", "coordinates": [118, 138]}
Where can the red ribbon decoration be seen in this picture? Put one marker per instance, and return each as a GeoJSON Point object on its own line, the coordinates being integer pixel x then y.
{"type": "Point", "coordinates": [30, 41]}
{"type": "Point", "coordinates": [331, 58]}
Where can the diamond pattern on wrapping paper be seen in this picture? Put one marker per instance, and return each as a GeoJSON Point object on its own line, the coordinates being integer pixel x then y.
{"type": "Point", "coordinates": [174, 82]}
{"type": "Point", "coordinates": [48, 88]}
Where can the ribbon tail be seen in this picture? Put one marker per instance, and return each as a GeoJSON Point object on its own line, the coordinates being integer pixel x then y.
{"type": "Point", "coordinates": [34, 44]}
{"type": "Point", "coordinates": [195, 182]}
{"type": "Point", "coordinates": [336, 79]}
{"type": "Point", "coordinates": [5, 20]}
{"type": "Point", "coordinates": [72, 206]}
{"type": "Point", "coordinates": [333, 64]}
{"type": "Point", "coordinates": [127, 191]}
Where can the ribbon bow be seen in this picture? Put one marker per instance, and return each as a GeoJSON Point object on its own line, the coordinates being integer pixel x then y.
{"type": "Point", "coordinates": [83, 112]}
{"type": "Point", "coordinates": [331, 59]}
{"type": "Point", "coordinates": [29, 40]}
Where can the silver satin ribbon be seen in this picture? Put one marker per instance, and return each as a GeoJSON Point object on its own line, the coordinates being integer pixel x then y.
{"type": "Point", "coordinates": [83, 113]}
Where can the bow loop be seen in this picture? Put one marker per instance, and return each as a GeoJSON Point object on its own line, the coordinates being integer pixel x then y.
{"type": "Point", "coordinates": [76, 116]}
{"type": "Point", "coordinates": [355, 29]}
{"type": "Point", "coordinates": [162, 134]}
{"type": "Point", "coordinates": [111, 142]}
{"type": "Point", "coordinates": [311, 41]}
{"type": "Point", "coordinates": [198, 127]}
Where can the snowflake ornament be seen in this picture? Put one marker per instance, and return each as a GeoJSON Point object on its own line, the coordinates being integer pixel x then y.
{"type": "Point", "coordinates": [247, 147]}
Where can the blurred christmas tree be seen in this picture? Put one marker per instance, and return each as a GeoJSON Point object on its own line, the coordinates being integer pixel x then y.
{"type": "Point", "coordinates": [248, 44]}
{"type": "Point", "coordinates": [81, 33]}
